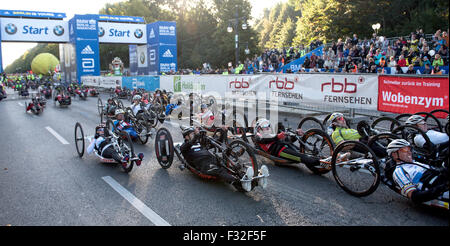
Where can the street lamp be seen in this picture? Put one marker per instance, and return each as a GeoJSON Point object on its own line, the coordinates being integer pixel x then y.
{"type": "Point", "coordinates": [376, 27]}
{"type": "Point", "coordinates": [230, 29]}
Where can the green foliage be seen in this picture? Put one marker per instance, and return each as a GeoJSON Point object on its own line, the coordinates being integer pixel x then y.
{"type": "Point", "coordinates": [23, 63]}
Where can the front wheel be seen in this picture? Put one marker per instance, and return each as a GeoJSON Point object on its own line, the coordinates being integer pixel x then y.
{"type": "Point", "coordinates": [164, 149]}
{"type": "Point", "coordinates": [317, 143]}
{"type": "Point", "coordinates": [240, 157]}
{"type": "Point", "coordinates": [79, 139]}
{"type": "Point", "coordinates": [126, 148]}
{"type": "Point", "coordinates": [355, 168]}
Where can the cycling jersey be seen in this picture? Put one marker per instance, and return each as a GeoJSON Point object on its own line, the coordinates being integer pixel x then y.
{"type": "Point", "coordinates": [343, 134]}
{"type": "Point", "coordinates": [127, 127]}
{"type": "Point", "coordinates": [435, 137]}
{"type": "Point", "coordinates": [407, 176]}
{"type": "Point", "coordinates": [99, 144]}
{"type": "Point", "coordinates": [136, 108]}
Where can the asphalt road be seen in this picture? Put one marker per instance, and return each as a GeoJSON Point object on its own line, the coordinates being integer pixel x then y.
{"type": "Point", "coordinates": [44, 182]}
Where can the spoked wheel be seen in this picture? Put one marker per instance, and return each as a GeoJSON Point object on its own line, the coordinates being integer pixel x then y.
{"type": "Point", "coordinates": [379, 143]}
{"type": "Point", "coordinates": [241, 157]}
{"type": "Point", "coordinates": [385, 124]}
{"type": "Point", "coordinates": [355, 168]}
{"type": "Point", "coordinates": [126, 147]}
{"type": "Point", "coordinates": [317, 144]}
{"type": "Point", "coordinates": [100, 106]}
{"type": "Point", "coordinates": [439, 113]}
{"type": "Point", "coordinates": [79, 139]}
{"type": "Point", "coordinates": [164, 148]}
{"type": "Point", "coordinates": [310, 123]}
{"type": "Point", "coordinates": [401, 119]}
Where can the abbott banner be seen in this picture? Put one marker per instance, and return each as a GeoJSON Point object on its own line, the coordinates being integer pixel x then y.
{"type": "Point", "coordinates": [412, 94]}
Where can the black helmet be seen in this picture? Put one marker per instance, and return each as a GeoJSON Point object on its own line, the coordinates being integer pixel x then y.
{"type": "Point", "coordinates": [187, 131]}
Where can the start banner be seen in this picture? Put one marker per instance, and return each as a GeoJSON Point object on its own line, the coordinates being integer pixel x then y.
{"type": "Point", "coordinates": [412, 94]}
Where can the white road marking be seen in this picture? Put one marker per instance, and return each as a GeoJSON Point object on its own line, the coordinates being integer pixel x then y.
{"type": "Point", "coordinates": [21, 104]}
{"type": "Point", "coordinates": [140, 206]}
{"type": "Point", "coordinates": [57, 136]}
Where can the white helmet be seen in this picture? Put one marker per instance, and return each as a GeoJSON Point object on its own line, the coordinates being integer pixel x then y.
{"type": "Point", "coordinates": [137, 97]}
{"type": "Point", "coordinates": [414, 119]}
{"type": "Point", "coordinates": [397, 144]}
{"type": "Point", "coordinates": [264, 123]}
{"type": "Point", "coordinates": [120, 111]}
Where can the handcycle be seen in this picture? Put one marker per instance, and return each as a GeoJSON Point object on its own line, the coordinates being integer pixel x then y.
{"type": "Point", "coordinates": [234, 157]}
{"type": "Point", "coordinates": [120, 140]}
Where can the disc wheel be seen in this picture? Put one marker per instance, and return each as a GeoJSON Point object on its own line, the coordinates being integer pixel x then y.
{"type": "Point", "coordinates": [355, 168]}
{"type": "Point", "coordinates": [79, 139]}
{"type": "Point", "coordinates": [164, 149]}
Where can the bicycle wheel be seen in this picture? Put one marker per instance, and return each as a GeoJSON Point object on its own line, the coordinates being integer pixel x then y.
{"type": "Point", "coordinates": [317, 144]}
{"type": "Point", "coordinates": [126, 148]}
{"type": "Point", "coordinates": [100, 106]}
{"type": "Point", "coordinates": [355, 168]}
{"type": "Point", "coordinates": [401, 119]}
{"type": "Point", "coordinates": [164, 148]}
{"type": "Point", "coordinates": [440, 113]}
{"type": "Point", "coordinates": [310, 123]}
{"type": "Point", "coordinates": [241, 157]}
{"type": "Point", "coordinates": [79, 139]}
{"type": "Point", "coordinates": [379, 143]}
{"type": "Point", "coordinates": [385, 124]}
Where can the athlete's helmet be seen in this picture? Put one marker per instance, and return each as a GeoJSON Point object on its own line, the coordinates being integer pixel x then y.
{"type": "Point", "coordinates": [119, 111]}
{"type": "Point", "coordinates": [187, 131]}
{"type": "Point", "coordinates": [264, 127]}
{"type": "Point", "coordinates": [334, 116]}
{"type": "Point", "coordinates": [137, 97]}
{"type": "Point", "coordinates": [414, 119]}
{"type": "Point", "coordinates": [397, 144]}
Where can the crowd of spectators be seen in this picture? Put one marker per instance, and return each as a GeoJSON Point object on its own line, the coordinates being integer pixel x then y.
{"type": "Point", "coordinates": [352, 55]}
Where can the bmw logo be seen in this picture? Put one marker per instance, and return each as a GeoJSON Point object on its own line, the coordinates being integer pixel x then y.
{"type": "Point", "coordinates": [138, 33]}
{"type": "Point", "coordinates": [101, 31]}
{"type": "Point", "coordinates": [11, 28]}
{"type": "Point", "coordinates": [58, 30]}
{"type": "Point", "coordinates": [142, 58]}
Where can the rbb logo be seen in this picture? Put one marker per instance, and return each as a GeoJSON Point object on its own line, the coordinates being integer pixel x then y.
{"type": "Point", "coordinates": [341, 87]}
{"type": "Point", "coordinates": [280, 84]}
{"type": "Point", "coordinates": [239, 84]}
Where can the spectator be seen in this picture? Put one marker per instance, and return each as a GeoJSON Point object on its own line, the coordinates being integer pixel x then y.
{"type": "Point", "coordinates": [401, 61]}
{"type": "Point", "coordinates": [427, 69]}
{"type": "Point", "coordinates": [411, 70]}
{"type": "Point", "coordinates": [392, 62]}
{"type": "Point", "coordinates": [307, 62]}
{"type": "Point", "coordinates": [438, 61]}
{"type": "Point", "coordinates": [426, 61]}
{"type": "Point", "coordinates": [398, 69]}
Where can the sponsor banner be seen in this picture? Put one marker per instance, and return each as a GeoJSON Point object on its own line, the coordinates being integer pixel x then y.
{"type": "Point", "coordinates": [133, 59]}
{"type": "Point", "coordinates": [110, 81]}
{"type": "Point", "coordinates": [32, 14]}
{"type": "Point", "coordinates": [91, 80]}
{"type": "Point", "coordinates": [116, 18]}
{"type": "Point", "coordinates": [205, 84]}
{"type": "Point", "coordinates": [162, 33]}
{"type": "Point", "coordinates": [34, 30]}
{"type": "Point", "coordinates": [142, 56]}
{"type": "Point", "coordinates": [351, 91]}
{"type": "Point", "coordinates": [167, 58]}
{"type": "Point", "coordinates": [1, 65]}
{"type": "Point", "coordinates": [153, 59]}
{"type": "Point", "coordinates": [149, 83]}
{"type": "Point", "coordinates": [109, 32]}
{"type": "Point", "coordinates": [412, 94]}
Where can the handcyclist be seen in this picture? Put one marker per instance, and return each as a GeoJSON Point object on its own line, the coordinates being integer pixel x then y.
{"type": "Point", "coordinates": [342, 132]}
{"type": "Point", "coordinates": [419, 182]}
{"type": "Point", "coordinates": [122, 125]}
{"type": "Point", "coordinates": [201, 159]}
{"type": "Point", "coordinates": [110, 107]}
{"type": "Point", "coordinates": [136, 106]}
{"type": "Point", "coordinates": [439, 139]}
{"type": "Point", "coordinates": [276, 144]}
{"type": "Point", "coordinates": [102, 144]}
